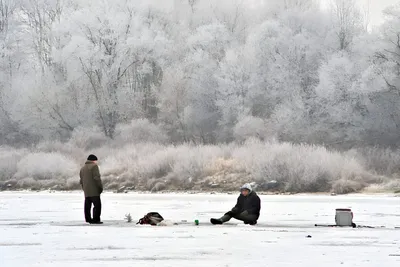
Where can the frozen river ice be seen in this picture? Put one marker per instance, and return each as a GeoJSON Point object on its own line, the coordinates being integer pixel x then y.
{"type": "Point", "coordinates": [47, 229]}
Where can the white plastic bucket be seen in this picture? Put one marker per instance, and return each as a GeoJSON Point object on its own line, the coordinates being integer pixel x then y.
{"type": "Point", "coordinates": [344, 217]}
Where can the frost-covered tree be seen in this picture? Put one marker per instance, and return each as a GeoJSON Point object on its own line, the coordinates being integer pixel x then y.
{"type": "Point", "coordinates": [208, 48]}
{"type": "Point", "coordinates": [347, 21]}
{"type": "Point", "coordinates": [12, 64]}
{"type": "Point", "coordinates": [336, 94]}
{"type": "Point", "coordinates": [116, 48]}
{"type": "Point", "coordinates": [202, 70]}
{"type": "Point", "coordinates": [233, 89]}
{"type": "Point", "coordinates": [38, 17]}
{"type": "Point", "coordinates": [381, 82]}
{"type": "Point", "coordinates": [173, 102]}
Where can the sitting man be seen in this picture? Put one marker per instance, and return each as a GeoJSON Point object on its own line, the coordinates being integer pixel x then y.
{"type": "Point", "coordinates": [247, 208]}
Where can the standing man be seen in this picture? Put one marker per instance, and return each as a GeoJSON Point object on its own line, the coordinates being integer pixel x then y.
{"type": "Point", "coordinates": [92, 187]}
{"type": "Point", "coordinates": [247, 208]}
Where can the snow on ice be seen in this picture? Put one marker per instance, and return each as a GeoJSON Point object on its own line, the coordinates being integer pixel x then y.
{"type": "Point", "coordinates": [42, 229]}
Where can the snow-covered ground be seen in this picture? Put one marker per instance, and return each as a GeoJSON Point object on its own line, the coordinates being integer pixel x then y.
{"type": "Point", "coordinates": [42, 229]}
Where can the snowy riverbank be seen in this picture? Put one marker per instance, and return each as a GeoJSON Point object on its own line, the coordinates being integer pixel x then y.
{"type": "Point", "coordinates": [273, 166]}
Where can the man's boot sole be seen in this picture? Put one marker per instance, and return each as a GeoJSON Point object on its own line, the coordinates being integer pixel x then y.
{"type": "Point", "coordinates": [216, 221]}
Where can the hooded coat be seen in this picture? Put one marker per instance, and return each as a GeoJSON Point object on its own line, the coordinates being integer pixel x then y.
{"type": "Point", "coordinates": [90, 179]}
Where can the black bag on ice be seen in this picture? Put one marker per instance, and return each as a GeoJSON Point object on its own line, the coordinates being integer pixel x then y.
{"type": "Point", "coordinates": [152, 218]}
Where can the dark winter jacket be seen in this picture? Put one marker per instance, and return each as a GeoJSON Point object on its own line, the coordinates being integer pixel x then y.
{"type": "Point", "coordinates": [90, 180]}
{"type": "Point", "coordinates": [251, 204]}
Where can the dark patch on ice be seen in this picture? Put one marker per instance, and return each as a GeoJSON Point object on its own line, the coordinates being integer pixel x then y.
{"type": "Point", "coordinates": [48, 211]}
{"type": "Point", "coordinates": [21, 224]}
{"type": "Point", "coordinates": [361, 237]}
{"type": "Point", "coordinates": [210, 212]}
{"type": "Point", "coordinates": [167, 237]}
{"type": "Point", "coordinates": [14, 220]}
{"type": "Point", "coordinates": [98, 248]}
{"type": "Point", "coordinates": [82, 223]}
{"type": "Point", "coordinates": [71, 225]}
{"type": "Point", "coordinates": [19, 244]}
{"type": "Point", "coordinates": [260, 230]}
{"type": "Point", "coordinates": [24, 224]}
{"type": "Point", "coordinates": [281, 231]}
{"type": "Point", "coordinates": [296, 220]}
{"type": "Point", "coordinates": [156, 258]}
{"type": "Point", "coordinates": [353, 244]}
{"type": "Point", "coordinates": [269, 242]}
{"type": "Point", "coordinates": [203, 253]}
{"type": "Point", "coordinates": [385, 215]}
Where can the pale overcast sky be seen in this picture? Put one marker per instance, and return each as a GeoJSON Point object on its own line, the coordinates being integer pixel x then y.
{"type": "Point", "coordinates": [377, 6]}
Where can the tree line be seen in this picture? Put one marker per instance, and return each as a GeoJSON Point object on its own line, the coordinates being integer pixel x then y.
{"type": "Point", "coordinates": [201, 71]}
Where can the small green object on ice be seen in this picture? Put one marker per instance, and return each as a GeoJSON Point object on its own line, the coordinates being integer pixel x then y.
{"type": "Point", "coordinates": [196, 222]}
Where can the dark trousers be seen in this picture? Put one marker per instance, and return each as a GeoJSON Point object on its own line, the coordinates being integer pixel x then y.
{"type": "Point", "coordinates": [96, 209]}
{"type": "Point", "coordinates": [246, 218]}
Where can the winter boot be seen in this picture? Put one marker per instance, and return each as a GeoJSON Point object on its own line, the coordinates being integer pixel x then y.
{"type": "Point", "coordinates": [221, 220]}
{"type": "Point", "coordinates": [96, 222]}
{"type": "Point", "coordinates": [216, 221]}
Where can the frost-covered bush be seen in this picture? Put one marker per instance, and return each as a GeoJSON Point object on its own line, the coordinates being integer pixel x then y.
{"type": "Point", "coordinates": [28, 183]}
{"type": "Point", "coordinates": [382, 161]}
{"type": "Point", "coordinates": [139, 159]}
{"type": "Point", "coordinates": [9, 159]}
{"type": "Point", "coordinates": [344, 186]}
{"type": "Point", "coordinates": [140, 131]}
{"type": "Point", "coordinates": [298, 167]}
{"type": "Point", "coordinates": [193, 161]}
{"type": "Point", "coordinates": [392, 185]}
{"type": "Point", "coordinates": [88, 138]}
{"type": "Point", "coordinates": [73, 183]}
{"type": "Point", "coordinates": [142, 162]}
{"type": "Point", "coordinates": [250, 127]}
{"type": "Point", "coordinates": [155, 167]}
{"type": "Point", "coordinates": [46, 166]}
{"type": "Point", "coordinates": [68, 149]}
